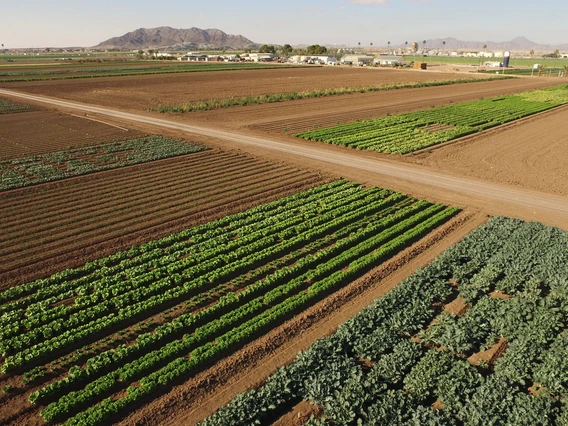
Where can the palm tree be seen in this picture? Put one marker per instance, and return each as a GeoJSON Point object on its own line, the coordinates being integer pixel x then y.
{"type": "Point", "coordinates": [424, 46]}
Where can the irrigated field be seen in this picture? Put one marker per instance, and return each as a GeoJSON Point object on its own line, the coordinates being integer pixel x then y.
{"type": "Point", "coordinates": [154, 293]}
{"type": "Point", "coordinates": [89, 344]}
{"type": "Point", "coordinates": [419, 354]}
{"type": "Point", "coordinates": [410, 132]}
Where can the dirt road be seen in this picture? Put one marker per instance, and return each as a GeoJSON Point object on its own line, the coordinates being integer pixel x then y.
{"type": "Point", "coordinates": [492, 197]}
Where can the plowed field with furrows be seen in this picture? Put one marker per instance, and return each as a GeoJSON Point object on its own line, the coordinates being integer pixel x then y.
{"type": "Point", "coordinates": [40, 132]}
{"type": "Point", "coordinates": [47, 227]}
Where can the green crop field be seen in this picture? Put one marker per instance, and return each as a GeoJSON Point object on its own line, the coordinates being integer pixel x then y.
{"type": "Point", "coordinates": [215, 286]}
{"type": "Point", "coordinates": [59, 165]}
{"type": "Point", "coordinates": [125, 69]}
{"type": "Point", "coordinates": [409, 132]}
{"type": "Point", "coordinates": [405, 354]}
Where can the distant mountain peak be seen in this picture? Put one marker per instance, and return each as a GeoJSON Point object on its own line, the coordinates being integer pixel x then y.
{"type": "Point", "coordinates": [161, 37]}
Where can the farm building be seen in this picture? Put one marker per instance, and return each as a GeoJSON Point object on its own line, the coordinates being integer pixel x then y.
{"type": "Point", "coordinates": [258, 57]}
{"type": "Point", "coordinates": [388, 60]}
{"type": "Point", "coordinates": [357, 59]}
{"type": "Point", "coordinates": [193, 57]}
{"type": "Point", "coordinates": [323, 59]}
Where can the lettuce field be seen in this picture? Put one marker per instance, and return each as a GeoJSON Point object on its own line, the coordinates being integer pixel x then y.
{"type": "Point", "coordinates": [404, 133]}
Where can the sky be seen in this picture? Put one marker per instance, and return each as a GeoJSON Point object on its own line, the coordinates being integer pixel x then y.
{"type": "Point", "coordinates": [66, 23]}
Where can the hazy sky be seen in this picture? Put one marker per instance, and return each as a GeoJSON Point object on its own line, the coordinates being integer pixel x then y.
{"type": "Point", "coordinates": [59, 23]}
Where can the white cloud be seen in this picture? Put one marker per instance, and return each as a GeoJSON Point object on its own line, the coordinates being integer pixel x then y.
{"type": "Point", "coordinates": [369, 1]}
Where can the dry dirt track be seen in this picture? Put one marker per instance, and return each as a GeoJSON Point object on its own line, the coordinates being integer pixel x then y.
{"type": "Point", "coordinates": [493, 198]}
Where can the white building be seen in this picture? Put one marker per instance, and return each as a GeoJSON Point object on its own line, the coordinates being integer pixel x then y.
{"type": "Point", "coordinates": [322, 59]}
{"type": "Point", "coordinates": [385, 60]}
{"type": "Point", "coordinates": [258, 57]}
{"type": "Point", "coordinates": [357, 60]}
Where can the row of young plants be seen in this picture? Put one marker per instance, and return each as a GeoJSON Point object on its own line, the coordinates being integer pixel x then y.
{"type": "Point", "coordinates": [229, 331]}
{"type": "Point", "coordinates": [409, 132]}
{"type": "Point", "coordinates": [59, 165]}
{"type": "Point", "coordinates": [7, 107]}
{"type": "Point", "coordinates": [126, 299]}
{"type": "Point", "coordinates": [227, 286]}
{"type": "Point", "coordinates": [207, 105]}
{"type": "Point", "coordinates": [403, 361]}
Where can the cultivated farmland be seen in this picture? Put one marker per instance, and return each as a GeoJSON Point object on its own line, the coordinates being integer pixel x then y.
{"type": "Point", "coordinates": [41, 132]}
{"type": "Point", "coordinates": [59, 165]}
{"type": "Point", "coordinates": [425, 344]}
{"type": "Point", "coordinates": [48, 227]}
{"type": "Point", "coordinates": [204, 292]}
{"type": "Point", "coordinates": [154, 293]}
{"type": "Point", "coordinates": [7, 107]}
{"type": "Point", "coordinates": [409, 132]}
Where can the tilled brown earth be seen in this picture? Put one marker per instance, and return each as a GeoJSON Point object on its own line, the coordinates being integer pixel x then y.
{"type": "Point", "coordinates": [531, 153]}
{"type": "Point", "coordinates": [149, 91]}
{"type": "Point", "coordinates": [54, 226]}
{"type": "Point", "coordinates": [40, 132]}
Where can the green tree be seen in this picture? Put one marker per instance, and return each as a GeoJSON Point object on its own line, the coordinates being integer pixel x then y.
{"type": "Point", "coordinates": [287, 49]}
{"type": "Point", "coordinates": [267, 49]}
{"type": "Point", "coordinates": [316, 49]}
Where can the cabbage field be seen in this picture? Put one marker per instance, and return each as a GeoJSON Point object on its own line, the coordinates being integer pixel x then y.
{"type": "Point", "coordinates": [408, 360]}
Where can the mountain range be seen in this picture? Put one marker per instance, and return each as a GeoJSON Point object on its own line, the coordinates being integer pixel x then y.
{"type": "Point", "coordinates": [518, 43]}
{"type": "Point", "coordinates": [177, 38]}
{"type": "Point", "coordinates": [196, 38]}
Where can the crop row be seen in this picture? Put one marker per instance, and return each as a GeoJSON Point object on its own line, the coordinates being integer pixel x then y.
{"type": "Point", "coordinates": [228, 280]}
{"type": "Point", "coordinates": [514, 278]}
{"type": "Point", "coordinates": [58, 165]}
{"type": "Point", "coordinates": [229, 329]}
{"type": "Point", "coordinates": [409, 132]}
{"type": "Point", "coordinates": [207, 105]}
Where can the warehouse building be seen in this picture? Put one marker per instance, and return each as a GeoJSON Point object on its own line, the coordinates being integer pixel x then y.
{"type": "Point", "coordinates": [386, 61]}
{"type": "Point", "coordinates": [357, 59]}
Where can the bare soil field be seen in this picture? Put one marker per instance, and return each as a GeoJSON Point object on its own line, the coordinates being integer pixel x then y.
{"type": "Point", "coordinates": [149, 91]}
{"type": "Point", "coordinates": [40, 132]}
{"type": "Point", "coordinates": [54, 226]}
{"type": "Point", "coordinates": [531, 153]}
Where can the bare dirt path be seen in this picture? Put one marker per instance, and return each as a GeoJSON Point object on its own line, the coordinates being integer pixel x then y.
{"type": "Point", "coordinates": [493, 197]}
